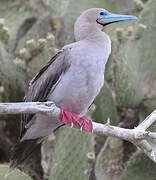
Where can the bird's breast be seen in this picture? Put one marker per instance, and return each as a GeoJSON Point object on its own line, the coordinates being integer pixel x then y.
{"type": "Point", "coordinates": [84, 79]}
{"type": "Point", "coordinates": [79, 86]}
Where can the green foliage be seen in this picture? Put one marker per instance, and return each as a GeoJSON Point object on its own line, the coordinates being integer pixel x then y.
{"type": "Point", "coordinates": [11, 76]}
{"type": "Point", "coordinates": [4, 33]}
{"type": "Point", "coordinates": [36, 54]}
{"type": "Point", "coordinates": [105, 107]}
{"type": "Point", "coordinates": [135, 69]}
{"type": "Point", "coordinates": [127, 79]}
{"type": "Point", "coordinates": [27, 41]}
{"type": "Point", "coordinates": [25, 52]}
{"type": "Point", "coordinates": [147, 56]}
{"type": "Point", "coordinates": [70, 159]}
{"type": "Point", "coordinates": [69, 10]}
{"type": "Point", "coordinates": [15, 175]}
{"type": "Point", "coordinates": [14, 15]}
{"type": "Point", "coordinates": [26, 44]}
{"type": "Point", "coordinates": [37, 27]}
{"type": "Point", "coordinates": [109, 161]}
{"type": "Point", "coordinates": [140, 167]}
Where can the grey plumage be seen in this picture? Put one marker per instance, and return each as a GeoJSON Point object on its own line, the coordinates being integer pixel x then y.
{"type": "Point", "coordinates": [72, 79]}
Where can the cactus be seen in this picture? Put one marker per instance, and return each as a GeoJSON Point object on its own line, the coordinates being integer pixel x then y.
{"type": "Point", "coordinates": [23, 51]}
{"type": "Point", "coordinates": [109, 161]}
{"type": "Point", "coordinates": [41, 26]}
{"type": "Point", "coordinates": [12, 81]}
{"type": "Point", "coordinates": [134, 73]}
{"type": "Point", "coordinates": [139, 5]}
{"type": "Point", "coordinates": [13, 17]}
{"type": "Point", "coordinates": [4, 32]}
{"type": "Point", "coordinates": [69, 10]}
{"type": "Point", "coordinates": [139, 167]}
{"type": "Point", "coordinates": [27, 41]}
{"type": "Point", "coordinates": [139, 32]}
{"type": "Point", "coordinates": [105, 107]}
{"type": "Point", "coordinates": [36, 54]}
{"type": "Point", "coordinates": [73, 156]}
{"type": "Point", "coordinates": [15, 175]}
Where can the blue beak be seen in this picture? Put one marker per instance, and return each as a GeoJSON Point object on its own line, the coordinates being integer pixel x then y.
{"type": "Point", "coordinates": [110, 18]}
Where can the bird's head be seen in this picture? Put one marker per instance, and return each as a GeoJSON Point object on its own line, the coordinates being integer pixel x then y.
{"type": "Point", "coordinates": [96, 18]}
{"type": "Point", "coordinates": [104, 17]}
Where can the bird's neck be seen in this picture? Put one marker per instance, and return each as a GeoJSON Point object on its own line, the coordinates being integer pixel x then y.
{"type": "Point", "coordinates": [89, 32]}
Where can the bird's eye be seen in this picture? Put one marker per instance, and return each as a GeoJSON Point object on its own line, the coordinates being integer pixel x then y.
{"type": "Point", "coordinates": [102, 13]}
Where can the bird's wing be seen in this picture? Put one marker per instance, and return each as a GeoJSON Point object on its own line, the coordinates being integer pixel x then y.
{"type": "Point", "coordinates": [44, 83]}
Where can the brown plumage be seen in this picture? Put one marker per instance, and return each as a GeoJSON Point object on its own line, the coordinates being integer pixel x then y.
{"type": "Point", "coordinates": [38, 91]}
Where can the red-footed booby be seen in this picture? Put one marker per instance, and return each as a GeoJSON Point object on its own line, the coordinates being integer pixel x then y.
{"type": "Point", "coordinates": [72, 79]}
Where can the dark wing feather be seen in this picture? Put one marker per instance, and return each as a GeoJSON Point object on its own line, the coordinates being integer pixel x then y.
{"type": "Point", "coordinates": [44, 82]}
{"type": "Point", "coordinates": [44, 68]}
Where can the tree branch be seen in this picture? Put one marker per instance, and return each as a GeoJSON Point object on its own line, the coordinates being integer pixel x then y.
{"type": "Point", "coordinates": [137, 136]}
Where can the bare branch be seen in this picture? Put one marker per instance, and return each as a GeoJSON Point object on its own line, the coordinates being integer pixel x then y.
{"type": "Point", "coordinates": [136, 136]}
{"type": "Point", "coordinates": [148, 121]}
{"type": "Point", "coordinates": [28, 107]}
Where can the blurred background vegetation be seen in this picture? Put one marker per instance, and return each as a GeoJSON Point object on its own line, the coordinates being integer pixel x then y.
{"type": "Point", "coordinates": [31, 32]}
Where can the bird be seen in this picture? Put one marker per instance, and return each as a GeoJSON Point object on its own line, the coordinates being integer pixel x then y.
{"type": "Point", "coordinates": [71, 79]}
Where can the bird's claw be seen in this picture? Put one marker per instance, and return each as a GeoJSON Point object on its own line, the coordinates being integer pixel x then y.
{"type": "Point", "coordinates": [108, 122]}
{"type": "Point", "coordinates": [70, 118]}
{"type": "Point", "coordinates": [72, 125]}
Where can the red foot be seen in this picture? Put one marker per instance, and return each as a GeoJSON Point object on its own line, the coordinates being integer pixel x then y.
{"type": "Point", "coordinates": [70, 118]}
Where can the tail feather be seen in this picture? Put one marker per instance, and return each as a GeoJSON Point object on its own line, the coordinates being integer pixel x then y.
{"type": "Point", "coordinates": [22, 151]}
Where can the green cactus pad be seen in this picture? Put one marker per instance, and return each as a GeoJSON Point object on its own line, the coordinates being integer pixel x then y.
{"type": "Point", "coordinates": [140, 167]}
{"type": "Point", "coordinates": [71, 155]}
{"type": "Point", "coordinates": [109, 161]}
{"type": "Point", "coordinates": [11, 75]}
{"type": "Point", "coordinates": [15, 175]}
{"type": "Point", "coordinates": [105, 107]}
{"type": "Point", "coordinates": [135, 73]}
